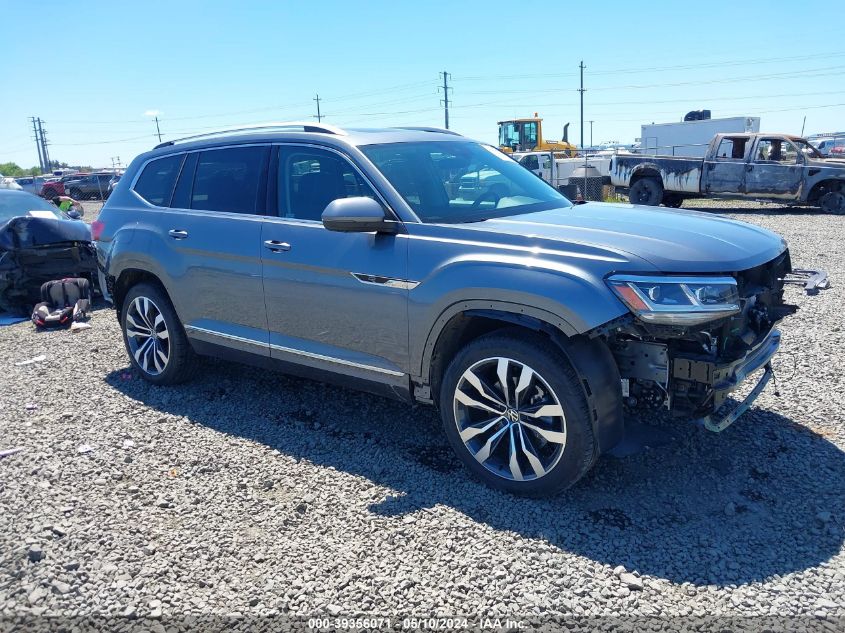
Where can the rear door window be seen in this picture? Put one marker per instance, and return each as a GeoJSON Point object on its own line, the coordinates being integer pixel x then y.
{"type": "Point", "coordinates": [155, 184]}
{"type": "Point", "coordinates": [732, 148]}
{"type": "Point", "coordinates": [230, 180]}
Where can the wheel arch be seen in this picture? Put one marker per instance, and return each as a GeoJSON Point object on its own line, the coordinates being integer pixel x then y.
{"type": "Point", "coordinates": [590, 357]}
{"type": "Point", "coordinates": [824, 186]}
{"type": "Point", "coordinates": [128, 278]}
{"type": "Point", "coordinates": [645, 170]}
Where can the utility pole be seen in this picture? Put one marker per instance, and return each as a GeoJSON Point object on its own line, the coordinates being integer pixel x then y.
{"type": "Point", "coordinates": [319, 116]}
{"type": "Point", "coordinates": [445, 99]}
{"type": "Point", "coordinates": [581, 90]}
{"type": "Point", "coordinates": [591, 134]}
{"type": "Point", "coordinates": [44, 146]}
{"type": "Point", "coordinates": [37, 143]}
{"type": "Point", "coordinates": [158, 130]}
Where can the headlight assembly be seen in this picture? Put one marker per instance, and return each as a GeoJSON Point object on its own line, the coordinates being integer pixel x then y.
{"type": "Point", "coordinates": [677, 300]}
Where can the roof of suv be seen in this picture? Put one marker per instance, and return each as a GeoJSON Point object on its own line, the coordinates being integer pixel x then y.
{"type": "Point", "coordinates": [298, 131]}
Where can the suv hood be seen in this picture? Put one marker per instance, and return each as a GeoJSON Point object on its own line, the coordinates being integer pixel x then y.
{"type": "Point", "coordinates": [673, 241]}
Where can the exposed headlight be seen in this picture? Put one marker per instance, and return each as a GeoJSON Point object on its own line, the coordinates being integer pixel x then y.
{"type": "Point", "coordinates": [677, 300]}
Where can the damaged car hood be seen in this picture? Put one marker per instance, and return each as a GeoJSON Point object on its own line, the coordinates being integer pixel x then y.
{"type": "Point", "coordinates": [673, 241]}
{"type": "Point", "coordinates": [32, 232]}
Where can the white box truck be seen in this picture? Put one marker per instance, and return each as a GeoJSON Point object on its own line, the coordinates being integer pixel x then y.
{"type": "Point", "coordinates": [691, 138]}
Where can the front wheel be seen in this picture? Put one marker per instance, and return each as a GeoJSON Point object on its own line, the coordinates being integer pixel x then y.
{"type": "Point", "coordinates": [647, 191]}
{"type": "Point", "coordinates": [515, 413]}
{"type": "Point", "coordinates": [155, 339]}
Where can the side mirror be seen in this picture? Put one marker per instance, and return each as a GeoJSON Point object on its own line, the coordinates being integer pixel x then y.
{"type": "Point", "coordinates": [357, 215]}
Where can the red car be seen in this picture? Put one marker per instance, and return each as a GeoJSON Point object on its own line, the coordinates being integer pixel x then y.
{"type": "Point", "coordinates": [57, 187]}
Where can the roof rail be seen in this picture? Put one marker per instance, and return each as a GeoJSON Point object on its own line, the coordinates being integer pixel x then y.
{"type": "Point", "coordinates": [439, 130]}
{"type": "Point", "coordinates": [304, 126]}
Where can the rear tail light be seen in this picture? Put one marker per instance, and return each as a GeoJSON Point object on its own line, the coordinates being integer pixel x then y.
{"type": "Point", "coordinates": [97, 230]}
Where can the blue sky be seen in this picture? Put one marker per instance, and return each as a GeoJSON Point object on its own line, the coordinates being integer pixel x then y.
{"type": "Point", "coordinates": [205, 65]}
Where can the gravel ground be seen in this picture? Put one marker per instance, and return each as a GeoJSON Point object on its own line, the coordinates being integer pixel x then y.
{"type": "Point", "coordinates": [247, 492]}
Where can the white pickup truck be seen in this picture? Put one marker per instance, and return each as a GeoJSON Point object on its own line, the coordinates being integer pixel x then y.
{"type": "Point", "coordinates": [774, 167]}
{"type": "Point", "coordinates": [558, 171]}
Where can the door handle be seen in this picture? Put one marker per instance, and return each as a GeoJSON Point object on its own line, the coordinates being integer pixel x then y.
{"type": "Point", "coordinates": [177, 234]}
{"type": "Point", "coordinates": [277, 246]}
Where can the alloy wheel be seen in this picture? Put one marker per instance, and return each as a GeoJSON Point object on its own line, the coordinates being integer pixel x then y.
{"type": "Point", "coordinates": [509, 419]}
{"type": "Point", "coordinates": [147, 336]}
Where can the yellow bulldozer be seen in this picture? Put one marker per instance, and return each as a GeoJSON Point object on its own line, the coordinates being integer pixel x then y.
{"type": "Point", "coordinates": [526, 135]}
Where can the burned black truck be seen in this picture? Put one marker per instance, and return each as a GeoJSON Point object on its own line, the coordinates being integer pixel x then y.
{"type": "Point", "coordinates": [771, 167]}
{"type": "Point", "coordinates": [38, 243]}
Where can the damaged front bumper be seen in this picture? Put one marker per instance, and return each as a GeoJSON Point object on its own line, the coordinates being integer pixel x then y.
{"type": "Point", "coordinates": [729, 377]}
{"type": "Point", "coordinates": [812, 280]}
{"type": "Point", "coordinates": [23, 271]}
{"type": "Point", "coordinates": [36, 249]}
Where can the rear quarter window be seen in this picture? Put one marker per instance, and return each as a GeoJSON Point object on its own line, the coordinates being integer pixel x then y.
{"type": "Point", "coordinates": [155, 184]}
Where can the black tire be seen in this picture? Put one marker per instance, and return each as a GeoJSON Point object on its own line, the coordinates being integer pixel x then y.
{"type": "Point", "coordinates": [672, 200]}
{"type": "Point", "coordinates": [833, 202]}
{"type": "Point", "coordinates": [181, 361]}
{"type": "Point", "coordinates": [551, 369]}
{"type": "Point", "coordinates": [646, 191]}
{"type": "Point", "coordinates": [76, 194]}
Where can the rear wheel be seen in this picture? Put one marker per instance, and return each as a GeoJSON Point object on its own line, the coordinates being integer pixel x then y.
{"type": "Point", "coordinates": [647, 191]}
{"type": "Point", "coordinates": [833, 202]}
{"type": "Point", "coordinates": [76, 194]}
{"type": "Point", "coordinates": [514, 412]}
{"type": "Point", "coordinates": [155, 339]}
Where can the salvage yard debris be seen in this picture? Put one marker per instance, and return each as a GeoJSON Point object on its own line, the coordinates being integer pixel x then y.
{"type": "Point", "coordinates": [36, 359]}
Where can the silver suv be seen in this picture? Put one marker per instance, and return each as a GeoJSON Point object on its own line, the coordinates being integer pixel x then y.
{"type": "Point", "coordinates": [364, 257]}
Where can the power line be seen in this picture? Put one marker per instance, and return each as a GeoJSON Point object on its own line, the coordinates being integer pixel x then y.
{"type": "Point", "coordinates": [276, 108]}
{"type": "Point", "coordinates": [797, 74]}
{"type": "Point", "coordinates": [534, 105]}
{"type": "Point", "coordinates": [649, 69]}
{"type": "Point", "coordinates": [111, 142]}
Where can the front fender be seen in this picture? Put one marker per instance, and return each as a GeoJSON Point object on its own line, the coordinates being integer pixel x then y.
{"type": "Point", "coordinates": [571, 299]}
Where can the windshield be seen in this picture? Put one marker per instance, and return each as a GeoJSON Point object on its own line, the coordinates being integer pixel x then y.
{"type": "Point", "coordinates": [16, 203]}
{"type": "Point", "coordinates": [452, 182]}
